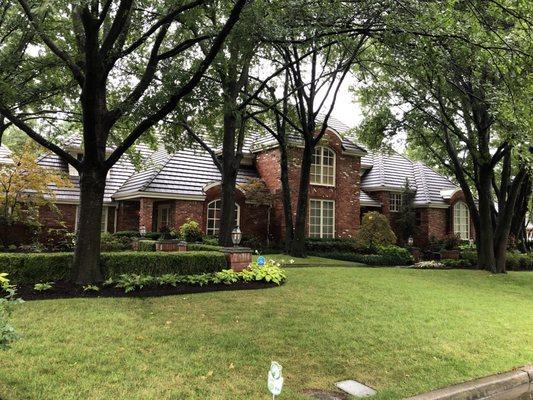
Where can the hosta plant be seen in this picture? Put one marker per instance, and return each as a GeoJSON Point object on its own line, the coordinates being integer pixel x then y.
{"type": "Point", "coordinates": [7, 301]}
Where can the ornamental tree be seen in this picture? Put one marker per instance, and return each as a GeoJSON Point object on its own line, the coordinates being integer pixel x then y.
{"type": "Point", "coordinates": [25, 186]}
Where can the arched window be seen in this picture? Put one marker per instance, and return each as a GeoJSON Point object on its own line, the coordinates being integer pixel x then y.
{"type": "Point", "coordinates": [213, 216]}
{"type": "Point", "coordinates": [323, 167]}
{"type": "Point", "coordinates": [461, 220]}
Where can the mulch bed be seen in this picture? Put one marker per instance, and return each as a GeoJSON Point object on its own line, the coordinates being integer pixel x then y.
{"type": "Point", "coordinates": [67, 290]}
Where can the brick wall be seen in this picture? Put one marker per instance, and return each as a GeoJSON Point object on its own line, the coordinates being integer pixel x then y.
{"type": "Point", "coordinates": [184, 209]}
{"type": "Point", "coordinates": [65, 213]}
{"type": "Point", "coordinates": [345, 193]}
{"type": "Point", "coordinates": [128, 216]}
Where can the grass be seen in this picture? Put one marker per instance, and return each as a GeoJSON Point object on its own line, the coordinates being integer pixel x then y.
{"type": "Point", "coordinates": [400, 331]}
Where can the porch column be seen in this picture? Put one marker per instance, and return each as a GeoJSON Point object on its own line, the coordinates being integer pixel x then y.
{"type": "Point", "coordinates": [146, 210]}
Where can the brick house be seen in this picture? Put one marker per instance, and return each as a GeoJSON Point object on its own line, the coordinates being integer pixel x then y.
{"type": "Point", "coordinates": [346, 182]}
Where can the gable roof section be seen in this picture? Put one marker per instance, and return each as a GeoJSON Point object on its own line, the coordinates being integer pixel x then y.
{"type": "Point", "coordinates": [263, 141]}
{"type": "Point", "coordinates": [389, 172]}
{"type": "Point", "coordinates": [184, 174]}
{"type": "Point", "coordinates": [119, 173]}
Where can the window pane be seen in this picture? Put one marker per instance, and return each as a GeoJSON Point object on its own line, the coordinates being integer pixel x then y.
{"type": "Point", "coordinates": [323, 166]}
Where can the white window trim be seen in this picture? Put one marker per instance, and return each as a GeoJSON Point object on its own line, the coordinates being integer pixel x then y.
{"type": "Point", "coordinates": [456, 229]}
{"type": "Point", "coordinates": [321, 216]}
{"type": "Point", "coordinates": [159, 208]}
{"type": "Point", "coordinates": [321, 183]}
{"type": "Point", "coordinates": [238, 216]}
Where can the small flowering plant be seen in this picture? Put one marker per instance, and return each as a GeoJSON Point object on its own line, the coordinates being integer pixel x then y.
{"type": "Point", "coordinates": [7, 301]}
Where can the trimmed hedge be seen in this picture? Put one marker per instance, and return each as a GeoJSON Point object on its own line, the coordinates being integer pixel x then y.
{"type": "Point", "coordinates": [29, 268]}
{"type": "Point", "coordinates": [332, 245]}
{"type": "Point", "coordinates": [203, 247]}
{"type": "Point", "coordinates": [147, 245]}
{"type": "Point", "coordinates": [387, 256]}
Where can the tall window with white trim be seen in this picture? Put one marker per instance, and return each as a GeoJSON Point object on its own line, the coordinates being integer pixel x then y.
{"type": "Point", "coordinates": [214, 209]}
{"type": "Point", "coordinates": [323, 167]}
{"type": "Point", "coordinates": [395, 202]}
{"type": "Point", "coordinates": [321, 218]}
{"type": "Point", "coordinates": [461, 220]}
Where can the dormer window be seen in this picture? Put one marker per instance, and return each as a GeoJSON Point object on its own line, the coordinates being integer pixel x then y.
{"type": "Point", "coordinates": [323, 167]}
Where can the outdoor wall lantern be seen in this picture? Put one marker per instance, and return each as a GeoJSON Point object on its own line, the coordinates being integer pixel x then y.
{"type": "Point", "coordinates": [236, 236]}
{"type": "Point", "coordinates": [410, 241]}
{"type": "Point", "coordinates": [142, 230]}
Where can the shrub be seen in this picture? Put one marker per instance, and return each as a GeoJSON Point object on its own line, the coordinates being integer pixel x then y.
{"type": "Point", "coordinates": [27, 268]}
{"type": "Point", "coordinates": [129, 234]}
{"type": "Point", "coordinates": [190, 231]}
{"type": "Point", "coordinates": [515, 261]}
{"type": "Point", "coordinates": [203, 247]}
{"type": "Point", "coordinates": [251, 241]}
{"type": "Point", "coordinates": [59, 240]}
{"type": "Point", "coordinates": [394, 255]}
{"type": "Point", "coordinates": [211, 240]}
{"type": "Point", "coordinates": [333, 245]}
{"type": "Point", "coordinates": [7, 302]}
{"type": "Point", "coordinates": [519, 261]}
{"type": "Point", "coordinates": [159, 263]}
{"type": "Point", "coordinates": [451, 242]}
{"type": "Point", "coordinates": [147, 245]}
{"type": "Point", "coordinates": [375, 231]}
{"type": "Point", "coordinates": [387, 256]}
{"type": "Point", "coordinates": [461, 263]}
{"type": "Point", "coordinates": [109, 242]}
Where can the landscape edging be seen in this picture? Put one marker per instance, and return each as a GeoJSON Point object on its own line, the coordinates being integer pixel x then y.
{"type": "Point", "coordinates": [512, 385]}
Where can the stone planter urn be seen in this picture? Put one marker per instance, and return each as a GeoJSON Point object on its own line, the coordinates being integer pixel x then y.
{"type": "Point", "coordinates": [167, 245]}
{"type": "Point", "coordinates": [449, 254]}
{"type": "Point", "coordinates": [238, 258]}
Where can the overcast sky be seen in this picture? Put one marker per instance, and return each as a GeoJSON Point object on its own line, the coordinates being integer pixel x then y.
{"type": "Point", "coordinates": [346, 109]}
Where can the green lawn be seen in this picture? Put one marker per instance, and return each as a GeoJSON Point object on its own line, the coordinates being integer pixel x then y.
{"type": "Point", "coordinates": [401, 331]}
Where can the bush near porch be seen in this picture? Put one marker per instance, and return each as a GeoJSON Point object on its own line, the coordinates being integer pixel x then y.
{"type": "Point", "coordinates": [28, 268]}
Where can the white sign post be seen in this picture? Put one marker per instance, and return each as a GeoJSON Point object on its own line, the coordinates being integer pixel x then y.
{"type": "Point", "coordinates": [275, 380]}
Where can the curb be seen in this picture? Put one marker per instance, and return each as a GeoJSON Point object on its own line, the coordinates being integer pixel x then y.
{"type": "Point", "coordinates": [512, 385]}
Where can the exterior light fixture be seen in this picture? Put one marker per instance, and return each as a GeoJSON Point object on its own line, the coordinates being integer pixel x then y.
{"type": "Point", "coordinates": [236, 236]}
{"type": "Point", "coordinates": [410, 241]}
{"type": "Point", "coordinates": [142, 230]}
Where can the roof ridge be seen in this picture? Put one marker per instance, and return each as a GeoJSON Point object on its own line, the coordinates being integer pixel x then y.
{"type": "Point", "coordinates": [419, 171]}
{"type": "Point", "coordinates": [156, 172]}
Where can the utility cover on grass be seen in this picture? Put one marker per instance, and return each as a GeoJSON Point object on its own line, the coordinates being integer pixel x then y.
{"type": "Point", "coordinates": [355, 388]}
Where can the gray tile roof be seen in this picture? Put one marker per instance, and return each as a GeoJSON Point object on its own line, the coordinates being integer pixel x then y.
{"type": "Point", "coordinates": [263, 140]}
{"type": "Point", "coordinates": [184, 173]}
{"type": "Point", "coordinates": [367, 201]}
{"type": "Point", "coordinates": [187, 172]}
{"type": "Point", "coordinates": [5, 155]}
{"type": "Point", "coordinates": [390, 171]}
{"type": "Point", "coordinates": [118, 174]}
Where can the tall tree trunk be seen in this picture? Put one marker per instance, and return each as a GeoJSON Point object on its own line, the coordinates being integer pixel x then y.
{"type": "Point", "coordinates": [230, 167]}
{"type": "Point", "coordinates": [485, 242]}
{"type": "Point", "coordinates": [227, 212]}
{"type": "Point", "coordinates": [519, 218]}
{"type": "Point", "coordinates": [298, 243]}
{"type": "Point", "coordinates": [286, 196]}
{"type": "Point", "coordinates": [86, 266]}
